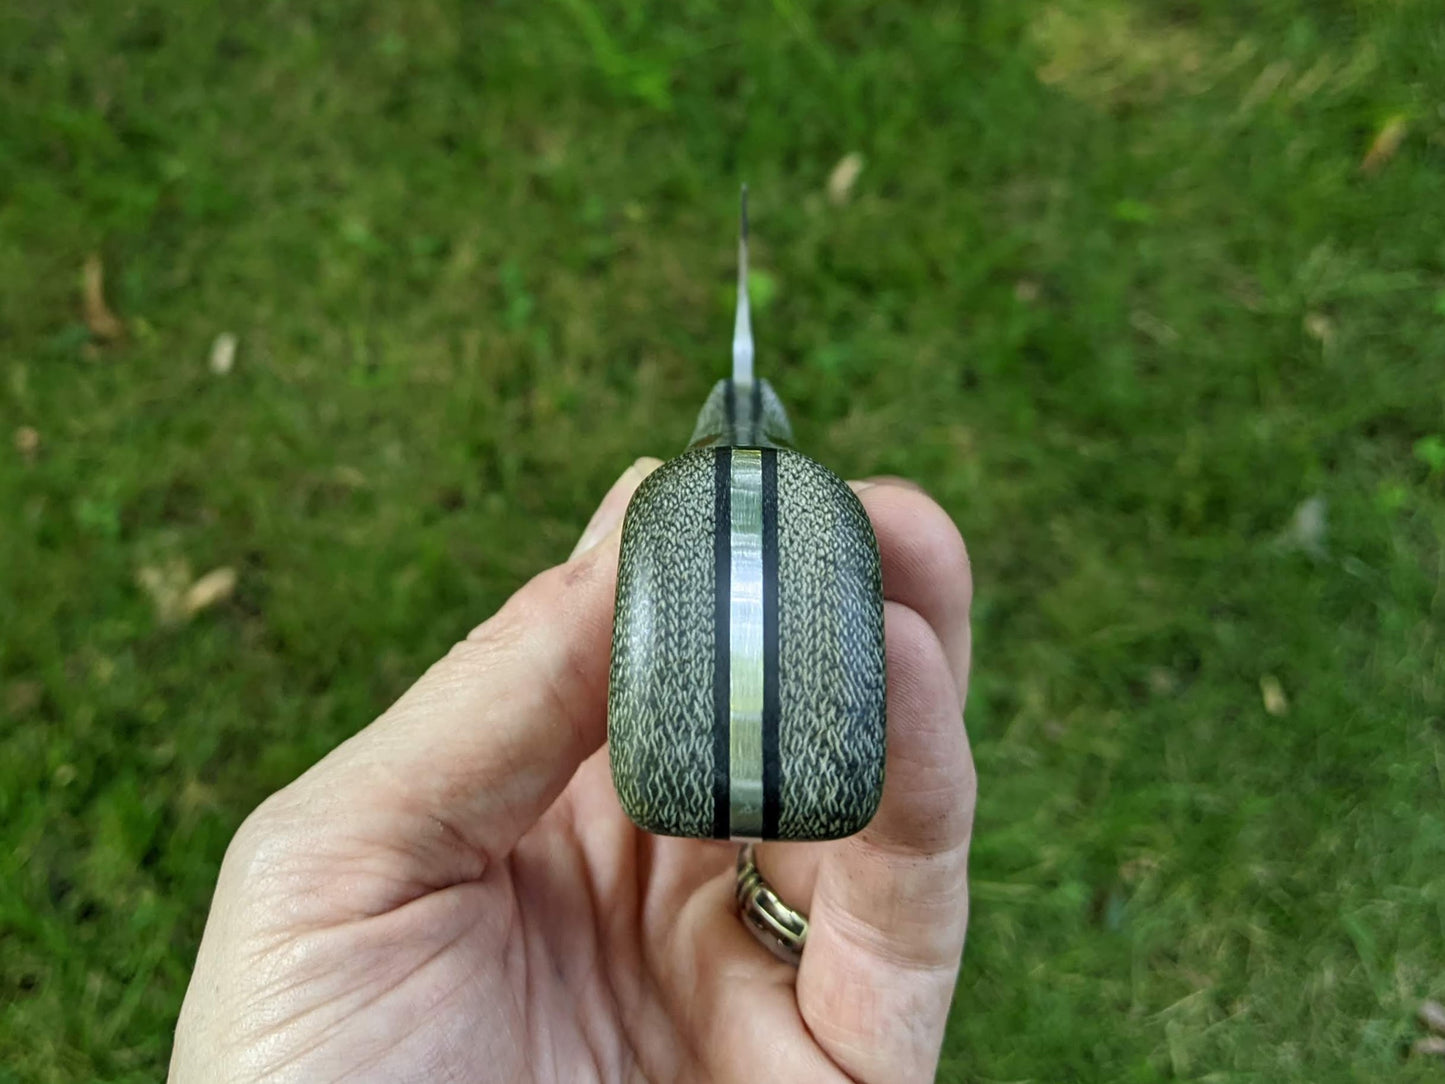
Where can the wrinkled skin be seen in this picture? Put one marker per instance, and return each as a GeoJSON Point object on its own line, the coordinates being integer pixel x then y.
{"type": "Point", "coordinates": [454, 894]}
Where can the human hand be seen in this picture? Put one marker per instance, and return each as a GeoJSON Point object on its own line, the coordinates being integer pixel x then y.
{"type": "Point", "coordinates": [455, 894]}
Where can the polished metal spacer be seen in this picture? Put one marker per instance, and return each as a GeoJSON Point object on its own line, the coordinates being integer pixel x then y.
{"type": "Point", "coordinates": [777, 926]}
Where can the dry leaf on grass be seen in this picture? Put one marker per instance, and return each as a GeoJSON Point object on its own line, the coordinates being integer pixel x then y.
{"type": "Point", "coordinates": [1275, 702]}
{"type": "Point", "coordinates": [223, 353]}
{"type": "Point", "coordinates": [215, 586]}
{"type": "Point", "coordinates": [166, 586]}
{"type": "Point", "coordinates": [101, 322]}
{"type": "Point", "coordinates": [1431, 1046]}
{"type": "Point", "coordinates": [1387, 141]}
{"type": "Point", "coordinates": [843, 177]}
{"type": "Point", "coordinates": [1308, 527]}
{"type": "Point", "coordinates": [27, 442]}
{"type": "Point", "coordinates": [176, 596]}
{"type": "Point", "coordinates": [1432, 1015]}
{"type": "Point", "coordinates": [1319, 327]}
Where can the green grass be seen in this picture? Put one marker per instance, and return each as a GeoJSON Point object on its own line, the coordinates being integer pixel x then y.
{"type": "Point", "coordinates": [1112, 284]}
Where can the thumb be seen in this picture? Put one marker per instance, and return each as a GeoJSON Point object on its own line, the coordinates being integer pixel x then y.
{"type": "Point", "coordinates": [449, 778]}
{"type": "Point", "coordinates": [608, 516]}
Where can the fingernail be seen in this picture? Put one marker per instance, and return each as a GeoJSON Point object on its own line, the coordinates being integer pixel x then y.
{"type": "Point", "coordinates": [610, 512]}
{"type": "Point", "coordinates": [891, 480]}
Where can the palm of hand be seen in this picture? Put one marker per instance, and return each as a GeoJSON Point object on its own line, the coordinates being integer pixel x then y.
{"type": "Point", "coordinates": [595, 936]}
{"type": "Point", "coordinates": [480, 926]}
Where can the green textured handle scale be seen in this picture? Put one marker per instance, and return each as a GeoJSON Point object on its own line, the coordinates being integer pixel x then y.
{"type": "Point", "coordinates": [747, 684]}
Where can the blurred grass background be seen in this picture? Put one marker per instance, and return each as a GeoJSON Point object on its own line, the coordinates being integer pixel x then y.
{"type": "Point", "coordinates": [1150, 295]}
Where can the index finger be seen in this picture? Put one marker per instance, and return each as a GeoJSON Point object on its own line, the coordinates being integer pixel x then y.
{"type": "Point", "coordinates": [889, 907]}
{"type": "Point", "coordinates": [925, 564]}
